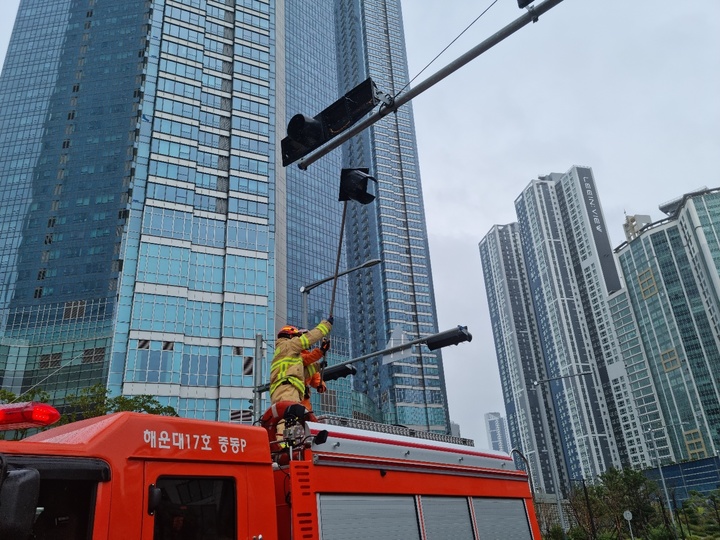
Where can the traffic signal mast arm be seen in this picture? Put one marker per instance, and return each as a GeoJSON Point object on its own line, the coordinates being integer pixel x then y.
{"type": "Point", "coordinates": [453, 336]}
{"type": "Point", "coordinates": [532, 15]}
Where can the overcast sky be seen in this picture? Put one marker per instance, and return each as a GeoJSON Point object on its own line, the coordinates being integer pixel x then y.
{"type": "Point", "coordinates": [630, 88]}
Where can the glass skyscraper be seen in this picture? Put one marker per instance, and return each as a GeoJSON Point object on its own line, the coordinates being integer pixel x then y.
{"type": "Point", "coordinates": [141, 190]}
{"type": "Point", "coordinates": [410, 392]}
{"type": "Point", "coordinates": [148, 230]}
{"type": "Point", "coordinates": [313, 211]}
{"type": "Point", "coordinates": [671, 270]}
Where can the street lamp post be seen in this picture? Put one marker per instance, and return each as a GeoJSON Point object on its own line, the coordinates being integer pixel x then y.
{"type": "Point", "coordinates": [305, 289]}
{"type": "Point", "coordinates": [551, 450]}
{"type": "Point", "coordinates": [527, 466]}
{"type": "Point", "coordinates": [649, 433]}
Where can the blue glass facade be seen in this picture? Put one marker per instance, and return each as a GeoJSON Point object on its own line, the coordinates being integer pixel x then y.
{"type": "Point", "coordinates": [142, 199]}
{"type": "Point", "coordinates": [313, 211]}
{"type": "Point", "coordinates": [392, 228]}
{"type": "Point", "coordinates": [148, 231]}
{"type": "Point", "coordinates": [68, 136]}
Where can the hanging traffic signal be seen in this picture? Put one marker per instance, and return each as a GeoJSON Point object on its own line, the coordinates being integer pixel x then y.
{"type": "Point", "coordinates": [354, 184]}
{"type": "Point", "coordinates": [448, 337]}
{"type": "Point", "coordinates": [306, 133]}
{"type": "Point", "coordinates": [524, 3]}
{"type": "Point", "coordinates": [333, 373]}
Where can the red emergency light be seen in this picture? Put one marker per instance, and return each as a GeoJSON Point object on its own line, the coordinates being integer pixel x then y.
{"type": "Point", "coordinates": [27, 415]}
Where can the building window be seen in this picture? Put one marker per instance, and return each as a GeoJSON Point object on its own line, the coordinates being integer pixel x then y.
{"type": "Point", "coordinates": [241, 416]}
{"type": "Point", "coordinates": [74, 310]}
{"type": "Point", "coordinates": [93, 356]}
{"type": "Point", "coordinates": [328, 401]}
{"type": "Point", "coordinates": [646, 281]}
{"type": "Point", "coordinates": [670, 360]}
{"type": "Point", "coordinates": [50, 360]}
{"type": "Point", "coordinates": [248, 362]}
{"type": "Point", "coordinates": [695, 444]}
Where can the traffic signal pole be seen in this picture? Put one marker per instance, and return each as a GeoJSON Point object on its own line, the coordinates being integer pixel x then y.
{"type": "Point", "coordinates": [453, 336]}
{"type": "Point", "coordinates": [532, 15]}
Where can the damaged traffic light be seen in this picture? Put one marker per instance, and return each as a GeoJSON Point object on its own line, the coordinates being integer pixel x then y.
{"type": "Point", "coordinates": [448, 337]}
{"type": "Point", "coordinates": [354, 184]}
{"type": "Point", "coordinates": [306, 133]}
{"type": "Point", "coordinates": [333, 373]}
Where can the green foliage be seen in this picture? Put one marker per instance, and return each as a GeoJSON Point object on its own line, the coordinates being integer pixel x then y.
{"type": "Point", "coordinates": [142, 403]}
{"type": "Point", "coordinates": [87, 403]}
{"type": "Point", "coordinates": [659, 533]}
{"type": "Point", "coordinates": [90, 402]}
{"type": "Point", "coordinates": [578, 533]}
{"type": "Point", "coordinates": [555, 533]}
{"type": "Point", "coordinates": [618, 490]}
{"type": "Point", "coordinates": [94, 401]}
{"type": "Point", "coordinates": [599, 508]}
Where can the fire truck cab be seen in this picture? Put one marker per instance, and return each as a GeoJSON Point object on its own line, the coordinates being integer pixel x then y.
{"type": "Point", "coordinates": [139, 476]}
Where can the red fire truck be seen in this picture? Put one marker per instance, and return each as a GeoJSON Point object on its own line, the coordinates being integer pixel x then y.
{"type": "Point", "coordinates": [139, 476]}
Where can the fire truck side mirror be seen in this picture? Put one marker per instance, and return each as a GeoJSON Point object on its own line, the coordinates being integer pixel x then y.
{"type": "Point", "coordinates": [154, 499]}
{"type": "Point", "coordinates": [19, 494]}
{"type": "Point", "coordinates": [321, 437]}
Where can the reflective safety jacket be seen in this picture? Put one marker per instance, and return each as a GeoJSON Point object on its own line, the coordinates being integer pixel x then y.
{"type": "Point", "coordinates": [287, 365]}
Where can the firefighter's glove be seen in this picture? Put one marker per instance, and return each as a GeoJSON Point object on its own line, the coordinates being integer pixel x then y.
{"type": "Point", "coordinates": [330, 319]}
{"type": "Point", "coordinates": [325, 346]}
{"type": "Point", "coordinates": [321, 389]}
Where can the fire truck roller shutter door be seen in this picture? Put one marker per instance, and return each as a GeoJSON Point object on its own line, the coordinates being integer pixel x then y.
{"type": "Point", "coordinates": [446, 517]}
{"type": "Point", "coordinates": [502, 518]}
{"type": "Point", "coordinates": [380, 517]}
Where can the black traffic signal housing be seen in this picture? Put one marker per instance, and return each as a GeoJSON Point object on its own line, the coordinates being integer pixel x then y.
{"type": "Point", "coordinates": [334, 373]}
{"type": "Point", "coordinates": [354, 184]}
{"type": "Point", "coordinates": [448, 337]}
{"type": "Point", "coordinates": [306, 133]}
{"type": "Point", "coordinates": [524, 3]}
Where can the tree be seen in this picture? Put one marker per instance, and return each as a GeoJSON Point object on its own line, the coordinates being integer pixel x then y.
{"type": "Point", "coordinates": [627, 489]}
{"type": "Point", "coordinates": [614, 492]}
{"type": "Point", "coordinates": [142, 403]}
{"type": "Point", "coordinates": [95, 401]}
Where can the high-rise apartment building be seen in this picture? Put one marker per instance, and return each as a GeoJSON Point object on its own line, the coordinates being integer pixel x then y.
{"type": "Point", "coordinates": [528, 407]}
{"type": "Point", "coordinates": [671, 270]}
{"type": "Point", "coordinates": [148, 229]}
{"type": "Point", "coordinates": [566, 273]}
{"type": "Point", "coordinates": [496, 430]}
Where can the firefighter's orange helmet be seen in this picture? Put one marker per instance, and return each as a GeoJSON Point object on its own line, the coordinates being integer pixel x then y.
{"type": "Point", "coordinates": [289, 331]}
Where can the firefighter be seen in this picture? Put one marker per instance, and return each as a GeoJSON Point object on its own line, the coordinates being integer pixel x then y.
{"type": "Point", "coordinates": [313, 362]}
{"type": "Point", "coordinates": [287, 372]}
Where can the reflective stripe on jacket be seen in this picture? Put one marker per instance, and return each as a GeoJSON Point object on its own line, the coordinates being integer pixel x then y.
{"type": "Point", "coordinates": [287, 365]}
